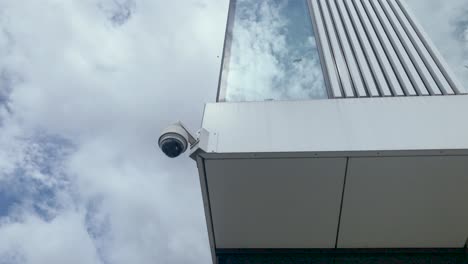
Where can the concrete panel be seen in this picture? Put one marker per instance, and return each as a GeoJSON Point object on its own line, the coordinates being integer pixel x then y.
{"type": "Point", "coordinates": [405, 202]}
{"type": "Point", "coordinates": [275, 203]}
{"type": "Point", "coordinates": [363, 124]}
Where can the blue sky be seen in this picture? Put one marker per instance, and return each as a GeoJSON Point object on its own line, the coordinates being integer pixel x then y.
{"type": "Point", "coordinates": [85, 88]}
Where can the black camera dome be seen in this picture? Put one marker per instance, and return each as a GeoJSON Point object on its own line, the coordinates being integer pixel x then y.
{"type": "Point", "coordinates": [174, 140]}
{"type": "Point", "coordinates": [172, 147]}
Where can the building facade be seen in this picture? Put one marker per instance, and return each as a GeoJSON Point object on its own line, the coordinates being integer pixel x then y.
{"type": "Point", "coordinates": [338, 136]}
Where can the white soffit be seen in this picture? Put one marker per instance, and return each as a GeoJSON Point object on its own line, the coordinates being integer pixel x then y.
{"type": "Point", "coordinates": [405, 202]}
{"type": "Point", "coordinates": [275, 203]}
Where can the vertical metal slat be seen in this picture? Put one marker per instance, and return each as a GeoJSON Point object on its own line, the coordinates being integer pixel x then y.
{"type": "Point", "coordinates": [328, 61]}
{"type": "Point", "coordinates": [337, 51]}
{"type": "Point", "coordinates": [430, 83]}
{"type": "Point", "coordinates": [439, 78]}
{"type": "Point", "coordinates": [348, 52]}
{"type": "Point", "coordinates": [376, 16]}
{"type": "Point", "coordinates": [358, 51]}
{"type": "Point", "coordinates": [409, 49]}
{"type": "Point", "coordinates": [418, 85]}
{"type": "Point", "coordinates": [377, 46]}
{"type": "Point", "coordinates": [436, 56]}
{"type": "Point", "coordinates": [368, 51]}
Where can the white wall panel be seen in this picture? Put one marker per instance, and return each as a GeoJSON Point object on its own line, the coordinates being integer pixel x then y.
{"type": "Point", "coordinates": [358, 124]}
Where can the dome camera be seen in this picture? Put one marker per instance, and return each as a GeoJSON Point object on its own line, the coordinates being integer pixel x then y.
{"type": "Point", "coordinates": [175, 140]}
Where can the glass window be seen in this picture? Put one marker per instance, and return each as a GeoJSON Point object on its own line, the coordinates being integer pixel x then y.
{"type": "Point", "coordinates": [271, 53]}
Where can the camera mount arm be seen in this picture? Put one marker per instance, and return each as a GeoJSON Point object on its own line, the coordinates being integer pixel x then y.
{"type": "Point", "coordinates": [191, 139]}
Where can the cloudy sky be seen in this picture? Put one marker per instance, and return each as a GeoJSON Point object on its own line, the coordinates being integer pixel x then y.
{"type": "Point", "coordinates": [85, 88]}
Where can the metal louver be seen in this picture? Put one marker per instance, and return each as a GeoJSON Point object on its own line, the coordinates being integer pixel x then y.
{"type": "Point", "coordinates": [373, 48]}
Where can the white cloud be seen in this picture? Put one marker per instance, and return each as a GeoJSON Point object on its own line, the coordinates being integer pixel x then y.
{"type": "Point", "coordinates": [109, 88]}
{"type": "Point", "coordinates": [33, 240]}
{"type": "Point", "coordinates": [99, 92]}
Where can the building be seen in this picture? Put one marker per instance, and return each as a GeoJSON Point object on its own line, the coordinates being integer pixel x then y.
{"type": "Point", "coordinates": [339, 136]}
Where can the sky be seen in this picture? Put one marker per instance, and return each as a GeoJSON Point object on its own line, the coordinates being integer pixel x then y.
{"type": "Point", "coordinates": [85, 89]}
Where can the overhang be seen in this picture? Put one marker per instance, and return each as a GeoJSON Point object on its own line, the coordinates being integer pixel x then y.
{"type": "Point", "coordinates": [336, 174]}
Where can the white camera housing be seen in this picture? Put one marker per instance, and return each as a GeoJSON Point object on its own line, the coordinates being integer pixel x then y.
{"type": "Point", "coordinates": [175, 140]}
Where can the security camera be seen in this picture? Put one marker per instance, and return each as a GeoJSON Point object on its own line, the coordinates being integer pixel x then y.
{"type": "Point", "coordinates": [175, 139]}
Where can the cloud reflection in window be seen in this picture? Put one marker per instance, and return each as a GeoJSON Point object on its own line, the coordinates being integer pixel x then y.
{"type": "Point", "coordinates": [273, 53]}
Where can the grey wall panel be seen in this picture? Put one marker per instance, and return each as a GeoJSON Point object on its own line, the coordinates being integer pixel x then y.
{"type": "Point", "coordinates": [376, 48]}
{"type": "Point", "coordinates": [405, 202]}
{"type": "Point", "coordinates": [253, 206]}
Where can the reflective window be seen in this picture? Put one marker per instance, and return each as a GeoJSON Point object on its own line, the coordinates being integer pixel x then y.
{"type": "Point", "coordinates": [271, 53]}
